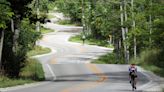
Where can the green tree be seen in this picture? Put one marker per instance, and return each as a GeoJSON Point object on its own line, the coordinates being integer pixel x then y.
{"type": "Point", "coordinates": [5, 15]}
{"type": "Point", "coordinates": [17, 37]}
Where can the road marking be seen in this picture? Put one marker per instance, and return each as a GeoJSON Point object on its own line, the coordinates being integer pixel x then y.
{"type": "Point", "coordinates": [149, 78]}
{"type": "Point", "coordinates": [89, 85]}
{"type": "Point", "coordinates": [53, 60]}
{"type": "Point", "coordinates": [80, 48]}
{"type": "Point", "coordinates": [98, 72]}
{"type": "Point", "coordinates": [52, 73]}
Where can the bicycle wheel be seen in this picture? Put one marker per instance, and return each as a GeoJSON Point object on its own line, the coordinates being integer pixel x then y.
{"type": "Point", "coordinates": [133, 84]}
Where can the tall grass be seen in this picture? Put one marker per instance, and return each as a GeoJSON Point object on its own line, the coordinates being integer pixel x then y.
{"type": "Point", "coordinates": [147, 57]}
{"type": "Point", "coordinates": [33, 70]}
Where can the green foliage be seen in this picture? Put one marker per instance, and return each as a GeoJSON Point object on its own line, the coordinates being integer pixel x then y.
{"type": "Point", "coordinates": [158, 33]}
{"type": "Point", "coordinates": [147, 57]}
{"type": "Point", "coordinates": [25, 42]}
{"type": "Point", "coordinates": [38, 50]}
{"type": "Point", "coordinates": [28, 35]}
{"type": "Point", "coordinates": [5, 13]}
{"type": "Point", "coordinates": [68, 22]}
{"type": "Point", "coordinates": [151, 60]}
{"type": "Point", "coordinates": [71, 8]}
{"type": "Point", "coordinates": [32, 70]}
{"type": "Point", "coordinates": [102, 18]}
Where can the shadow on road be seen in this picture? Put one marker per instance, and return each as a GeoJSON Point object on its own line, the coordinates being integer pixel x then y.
{"type": "Point", "coordinates": [114, 77]}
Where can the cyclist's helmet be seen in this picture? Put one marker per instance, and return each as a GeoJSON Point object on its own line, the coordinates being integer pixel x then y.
{"type": "Point", "coordinates": [132, 65]}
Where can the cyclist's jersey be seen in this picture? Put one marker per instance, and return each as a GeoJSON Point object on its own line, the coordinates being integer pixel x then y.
{"type": "Point", "coordinates": [132, 72]}
{"type": "Point", "coordinates": [132, 68]}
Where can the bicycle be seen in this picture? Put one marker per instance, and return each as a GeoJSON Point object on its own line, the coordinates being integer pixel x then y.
{"type": "Point", "coordinates": [133, 84]}
{"type": "Point", "coordinates": [133, 77]}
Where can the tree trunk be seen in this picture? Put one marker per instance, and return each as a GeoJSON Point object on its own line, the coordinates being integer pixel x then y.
{"type": "Point", "coordinates": [12, 25]}
{"type": "Point", "coordinates": [83, 17]}
{"type": "Point", "coordinates": [150, 28]}
{"type": "Point", "coordinates": [135, 48]}
{"type": "Point", "coordinates": [133, 29]}
{"type": "Point", "coordinates": [123, 30]}
{"type": "Point", "coordinates": [150, 23]}
{"type": "Point", "coordinates": [126, 31]}
{"type": "Point", "coordinates": [1, 46]}
{"type": "Point", "coordinates": [16, 36]}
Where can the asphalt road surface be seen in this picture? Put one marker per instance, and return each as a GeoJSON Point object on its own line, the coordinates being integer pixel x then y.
{"type": "Point", "coordinates": [68, 67]}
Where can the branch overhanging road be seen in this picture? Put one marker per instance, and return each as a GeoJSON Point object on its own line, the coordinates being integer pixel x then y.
{"type": "Point", "coordinates": [69, 70]}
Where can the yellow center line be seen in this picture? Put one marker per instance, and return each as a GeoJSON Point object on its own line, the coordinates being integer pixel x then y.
{"type": "Point", "coordinates": [80, 48]}
{"type": "Point", "coordinates": [89, 85]}
{"type": "Point", "coordinates": [53, 60]}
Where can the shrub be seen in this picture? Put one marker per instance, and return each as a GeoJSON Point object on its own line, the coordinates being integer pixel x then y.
{"type": "Point", "coordinates": [32, 70]}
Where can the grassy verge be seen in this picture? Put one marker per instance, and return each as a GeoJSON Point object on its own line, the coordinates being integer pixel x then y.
{"type": "Point", "coordinates": [8, 82]}
{"type": "Point", "coordinates": [109, 58]}
{"type": "Point", "coordinates": [38, 50]}
{"type": "Point", "coordinates": [32, 72]}
{"type": "Point", "coordinates": [68, 22]}
{"type": "Point", "coordinates": [46, 30]}
{"type": "Point", "coordinates": [155, 69]}
{"type": "Point", "coordinates": [51, 16]}
{"type": "Point", "coordinates": [90, 41]}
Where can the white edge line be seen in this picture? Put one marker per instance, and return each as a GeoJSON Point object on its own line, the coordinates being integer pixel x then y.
{"type": "Point", "coordinates": [52, 73]}
{"type": "Point", "coordinates": [150, 81]}
{"type": "Point", "coordinates": [19, 87]}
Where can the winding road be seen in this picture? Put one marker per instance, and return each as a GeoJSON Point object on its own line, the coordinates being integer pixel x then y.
{"type": "Point", "coordinates": [68, 67]}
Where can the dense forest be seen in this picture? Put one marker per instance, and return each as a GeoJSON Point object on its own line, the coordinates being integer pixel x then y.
{"type": "Point", "coordinates": [136, 26]}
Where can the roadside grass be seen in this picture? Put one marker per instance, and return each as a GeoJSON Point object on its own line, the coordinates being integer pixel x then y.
{"type": "Point", "coordinates": [51, 16]}
{"type": "Point", "coordinates": [68, 22]}
{"type": "Point", "coordinates": [90, 41]}
{"type": "Point", "coordinates": [8, 82]}
{"type": "Point", "coordinates": [149, 60]}
{"type": "Point", "coordinates": [32, 72]}
{"type": "Point", "coordinates": [155, 69]}
{"type": "Point", "coordinates": [38, 50]}
{"type": "Point", "coordinates": [46, 30]}
{"type": "Point", "coordinates": [109, 58]}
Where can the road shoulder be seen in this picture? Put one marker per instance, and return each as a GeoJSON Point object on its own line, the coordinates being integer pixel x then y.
{"type": "Point", "coordinates": [155, 84]}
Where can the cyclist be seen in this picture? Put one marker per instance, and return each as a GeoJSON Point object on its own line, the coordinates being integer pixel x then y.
{"type": "Point", "coordinates": [132, 73]}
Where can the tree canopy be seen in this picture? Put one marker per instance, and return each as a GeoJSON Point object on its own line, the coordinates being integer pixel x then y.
{"type": "Point", "coordinates": [137, 24]}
